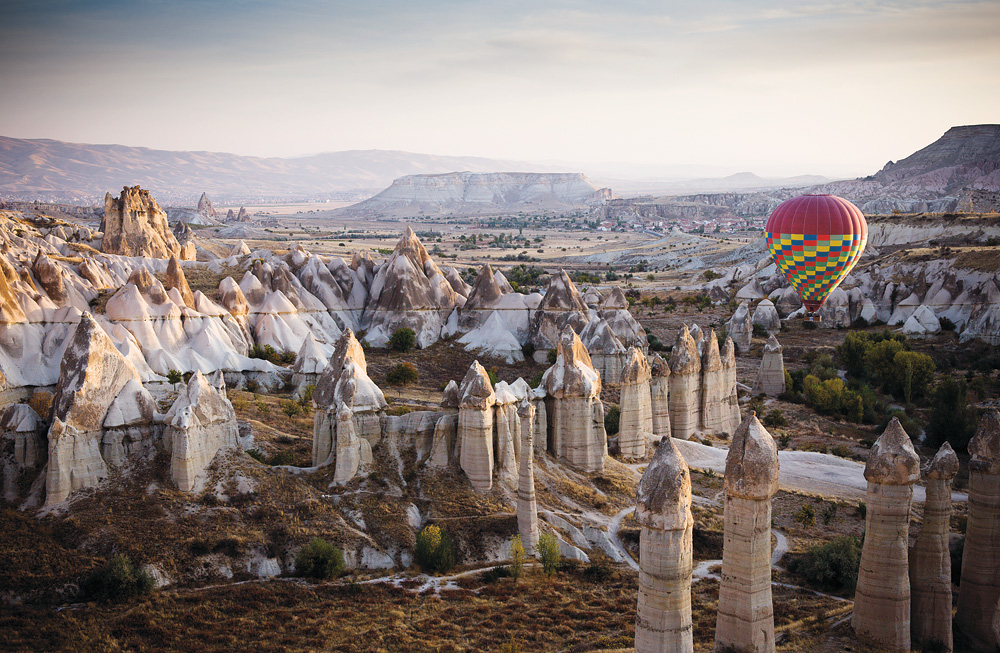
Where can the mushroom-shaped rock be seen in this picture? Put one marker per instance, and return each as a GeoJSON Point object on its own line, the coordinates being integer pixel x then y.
{"type": "Point", "coordinates": [766, 316]}
{"type": "Point", "coordinates": [573, 406]}
{"type": "Point", "coordinates": [685, 386]}
{"type": "Point", "coordinates": [882, 599]}
{"type": "Point", "coordinates": [636, 418]}
{"type": "Point", "coordinates": [979, 589]}
{"type": "Point", "coordinates": [745, 620]}
{"type": "Point", "coordinates": [771, 374]}
{"type": "Point", "coordinates": [930, 558]}
{"type": "Point", "coordinates": [715, 413]}
{"type": "Point", "coordinates": [475, 427]}
{"type": "Point", "coordinates": [663, 510]}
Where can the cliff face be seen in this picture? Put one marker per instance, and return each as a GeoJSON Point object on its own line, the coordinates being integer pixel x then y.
{"type": "Point", "coordinates": [481, 193]}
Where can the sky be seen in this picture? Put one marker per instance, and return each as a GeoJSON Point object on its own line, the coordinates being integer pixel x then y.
{"type": "Point", "coordinates": [776, 87]}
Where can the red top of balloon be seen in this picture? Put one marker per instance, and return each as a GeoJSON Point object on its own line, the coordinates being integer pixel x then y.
{"type": "Point", "coordinates": [818, 214]}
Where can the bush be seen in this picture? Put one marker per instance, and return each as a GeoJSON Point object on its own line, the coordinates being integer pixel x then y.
{"type": "Point", "coordinates": [307, 395]}
{"type": "Point", "coordinates": [775, 418]}
{"type": "Point", "coordinates": [537, 379]}
{"type": "Point", "coordinates": [806, 515]}
{"type": "Point", "coordinates": [291, 408]}
{"type": "Point", "coordinates": [403, 339]}
{"type": "Point", "coordinates": [951, 417]}
{"type": "Point", "coordinates": [548, 552]}
{"type": "Point", "coordinates": [552, 356]}
{"type": "Point", "coordinates": [262, 407]}
{"type": "Point", "coordinates": [597, 572]}
{"type": "Point", "coordinates": [832, 565]}
{"type": "Point", "coordinates": [118, 580]}
{"type": "Point", "coordinates": [174, 377]}
{"type": "Point", "coordinates": [494, 574]}
{"type": "Point", "coordinates": [319, 559]}
{"type": "Point", "coordinates": [493, 374]}
{"type": "Point", "coordinates": [516, 557]}
{"type": "Point", "coordinates": [612, 418]}
{"type": "Point", "coordinates": [434, 551]}
{"type": "Point", "coordinates": [251, 386]}
{"type": "Point", "coordinates": [402, 374]}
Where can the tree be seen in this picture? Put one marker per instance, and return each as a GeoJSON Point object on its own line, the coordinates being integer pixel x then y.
{"type": "Point", "coordinates": [118, 580]}
{"type": "Point", "coordinates": [951, 417]}
{"type": "Point", "coordinates": [548, 552]}
{"type": "Point", "coordinates": [403, 339]}
{"type": "Point", "coordinates": [319, 559]}
{"type": "Point", "coordinates": [516, 557]}
{"type": "Point", "coordinates": [402, 374]}
{"type": "Point", "coordinates": [434, 551]}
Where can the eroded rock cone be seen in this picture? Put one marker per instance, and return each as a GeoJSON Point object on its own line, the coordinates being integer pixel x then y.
{"type": "Point", "coordinates": [745, 620]}
{"type": "Point", "coordinates": [979, 590]}
{"type": "Point", "coordinates": [92, 374]}
{"type": "Point", "coordinates": [930, 558]}
{"type": "Point", "coordinates": [561, 306]}
{"type": "Point", "coordinates": [882, 599]}
{"type": "Point", "coordinates": [475, 427]}
{"type": "Point", "coordinates": [663, 509]}
{"type": "Point", "coordinates": [771, 375]}
{"type": "Point", "coordinates": [199, 424]}
{"type": "Point", "coordinates": [574, 406]}
{"type": "Point", "coordinates": [176, 279]}
{"type": "Point", "coordinates": [636, 417]}
{"type": "Point", "coordinates": [740, 328]}
{"type": "Point", "coordinates": [685, 386]}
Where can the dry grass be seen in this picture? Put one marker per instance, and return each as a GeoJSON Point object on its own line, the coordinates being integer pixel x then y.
{"type": "Point", "coordinates": [984, 260]}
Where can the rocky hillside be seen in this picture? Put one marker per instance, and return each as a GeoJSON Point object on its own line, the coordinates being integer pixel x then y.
{"type": "Point", "coordinates": [80, 173]}
{"type": "Point", "coordinates": [470, 192]}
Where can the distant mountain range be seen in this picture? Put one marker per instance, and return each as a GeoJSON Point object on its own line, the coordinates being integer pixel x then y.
{"type": "Point", "coordinates": [76, 173]}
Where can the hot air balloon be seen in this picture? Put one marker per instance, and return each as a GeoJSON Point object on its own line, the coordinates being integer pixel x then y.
{"type": "Point", "coordinates": [815, 240]}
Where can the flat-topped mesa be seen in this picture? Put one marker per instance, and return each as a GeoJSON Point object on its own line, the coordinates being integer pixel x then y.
{"type": "Point", "coordinates": [409, 290]}
{"type": "Point", "coordinates": [636, 421]}
{"type": "Point", "coordinates": [201, 423]}
{"type": "Point", "coordinates": [345, 381]}
{"type": "Point", "coordinates": [606, 351]}
{"type": "Point", "coordinates": [475, 427]}
{"type": "Point", "coordinates": [92, 374]}
{"type": "Point", "coordinates": [882, 599]}
{"type": "Point", "coordinates": [573, 406]}
{"type": "Point", "coordinates": [527, 508]}
{"type": "Point", "coordinates": [309, 365]}
{"type": "Point", "coordinates": [663, 510]}
{"type": "Point", "coordinates": [745, 619]}
{"type": "Point", "coordinates": [740, 329]}
{"type": "Point", "coordinates": [979, 589]}
{"type": "Point", "coordinates": [135, 225]}
{"type": "Point", "coordinates": [659, 390]}
{"type": "Point", "coordinates": [685, 386]}
{"type": "Point", "coordinates": [176, 279]}
{"type": "Point", "coordinates": [930, 557]}
{"type": "Point", "coordinates": [771, 374]}
{"type": "Point", "coordinates": [561, 306]}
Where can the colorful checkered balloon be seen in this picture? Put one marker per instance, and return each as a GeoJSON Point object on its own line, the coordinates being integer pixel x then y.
{"type": "Point", "coordinates": [815, 240]}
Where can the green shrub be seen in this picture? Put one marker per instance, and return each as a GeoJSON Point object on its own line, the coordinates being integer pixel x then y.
{"type": "Point", "coordinates": [305, 399]}
{"type": "Point", "coordinates": [251, 386]}
{"type": "Point", "coordinates": [291, 408]}
{"type": "Point", "coordinates": [402, 374]}
{"type": "Point", "coordinates": [281, 458]}
{"type": "Point", "coordinates": [319, 559]}
{"type": "Point", "coordinates": [174, 377]}
{"type": "Point", "coordinates": [548, 552]}
{"type": "Point", "coordinates": [597, 572]}
{"type": "Point", "coordinates": [784, 440]}
{"type": "Point", "coordinates": [118, 580]}
{"type": "Point", "coordinates": [537, 379]}
{"type": "Point", "coordinates": [829, 513]}
{"type": "Point", "coordinates": [832, 565]}
{"type": "Point", "coordinates": [951, 417]}
{"type": "Point", "coordinates": [257, 455]}
{"type": "Point", "coordinates": [494, 574]}
{"type": "Point", "coordinates": [403, 339]}
{"type": "Point", "coordinates": [775, 418]}
{"type": "Point", "coordinates": [552, 356]}
{"type": "Point", "coordinates": [612, 418]}
{"type": "Point", "coordinates": [805, 515]}
{"type": "Point", "coordinates": [434, 551]}
{"type": "Point", "coordinates": [493, 374]}
{"type": "Point", "coordinates": [516, 558]}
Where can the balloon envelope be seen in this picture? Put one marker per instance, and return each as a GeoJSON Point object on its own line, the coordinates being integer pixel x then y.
{"type": "Point", "coordinates": [815, 240]}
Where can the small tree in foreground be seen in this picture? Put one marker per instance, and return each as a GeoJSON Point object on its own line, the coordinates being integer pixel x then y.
{"type": "Point", "coordinates": [319, 559]}
{"type": "Point", "coordinates": [118, 580]}
{"type": "Point", "coordinates": [516, 557]}
{"type": "Point", "coordinates": [548, 552]}
{"type": "Point", "coordinates": [403, 339]}
{"type": "Point", "coordinates": [434, 551]}
{"type": "Point", "coordinates": [402, 374]}
{"type": "Point", "coordinates": [832, 565]}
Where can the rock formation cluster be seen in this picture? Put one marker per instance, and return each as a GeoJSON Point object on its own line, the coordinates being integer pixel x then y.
{"type": "Point", "coordinates": [135, 225]}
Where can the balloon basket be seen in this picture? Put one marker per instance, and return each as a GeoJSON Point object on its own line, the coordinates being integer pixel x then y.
{"type": "Point", "coordinates": [812, 317]}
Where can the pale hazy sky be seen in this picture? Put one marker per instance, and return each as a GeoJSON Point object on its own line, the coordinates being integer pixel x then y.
{"type": "Point", "coordinates": [834, 88]}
